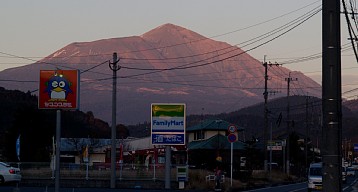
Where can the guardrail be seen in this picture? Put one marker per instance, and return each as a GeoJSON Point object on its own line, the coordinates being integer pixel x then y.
{"type": "Point", "coordinates": [212, 178]}
{"type": "Point", "coordinates": [96, 171]}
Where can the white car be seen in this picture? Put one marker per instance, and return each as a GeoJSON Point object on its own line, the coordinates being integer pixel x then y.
{"type": "Point", "coordinates": [315, 177]}
{"type": "Point", "coordinates": [355, 166]}
{"type": "Point", "coordinates": [9, 173]}
{"type": "Point", "coordinates": [350, 171]}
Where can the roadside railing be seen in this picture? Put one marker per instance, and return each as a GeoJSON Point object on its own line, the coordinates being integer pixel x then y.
{"type": "Point", "coordinates": [31, 170]}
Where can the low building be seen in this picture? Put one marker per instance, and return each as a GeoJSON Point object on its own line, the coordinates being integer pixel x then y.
{"type": "Point", "coordinates": [208, 144]}
{"type": "Point", "coordinates": [208, 138]}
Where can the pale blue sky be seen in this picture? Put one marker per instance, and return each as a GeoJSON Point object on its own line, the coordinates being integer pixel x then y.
{"type": "Point", "coordinates": [38, 28]}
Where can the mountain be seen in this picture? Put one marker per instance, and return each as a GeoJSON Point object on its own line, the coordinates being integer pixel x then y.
{"type": "Point", "coordinates": [351, 104]}
{"type": "Point", "coordinates": [166, 64]}
{"type": "Point", "coordinates": [305, 118]}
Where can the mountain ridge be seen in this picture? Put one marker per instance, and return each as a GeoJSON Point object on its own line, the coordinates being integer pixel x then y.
{"type": "Point", "coordinates": [166, 64]}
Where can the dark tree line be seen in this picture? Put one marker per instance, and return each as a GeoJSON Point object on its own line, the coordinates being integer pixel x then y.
{"type": "Point", "coordinates": [19, 115]}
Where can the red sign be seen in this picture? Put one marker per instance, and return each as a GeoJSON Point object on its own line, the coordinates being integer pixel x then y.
{"type": "Point", "coordinates": [59, 89]}
{"type": "Point", "coordinates": [232, 128]}
{"type": "Point", "coordinates": [232, 137]}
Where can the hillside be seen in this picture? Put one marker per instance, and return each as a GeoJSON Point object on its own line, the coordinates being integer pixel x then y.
{"type": "Point", "coordinates": [305, 118]}
{"type": "Point", "coordinates": [352, 104]}
{"type": "Point", "coordinates": [166, 64]}
{"type": "Point", "coordinates": [19, 115]}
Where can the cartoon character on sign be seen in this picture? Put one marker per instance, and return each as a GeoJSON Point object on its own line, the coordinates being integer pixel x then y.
{"type": "Point", "coordinates": [58, 87]}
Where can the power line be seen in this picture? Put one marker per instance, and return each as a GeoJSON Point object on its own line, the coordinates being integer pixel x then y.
{"type": "Point", "coordinates": [189, 42]}
{"type": "Point", "coordinates": [350, 30]}
{"type": "Point", "coordinates": [186, 66]}
{"type": "Point", "coordinates": [157, 69]}
{"type": "Point", "coordinates": [298, 20]}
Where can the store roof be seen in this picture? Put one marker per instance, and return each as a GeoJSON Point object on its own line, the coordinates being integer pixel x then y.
{"type": "Point", "coordinates": [216, 142]}
{"type": "Point", "coordinates": [210, 124]}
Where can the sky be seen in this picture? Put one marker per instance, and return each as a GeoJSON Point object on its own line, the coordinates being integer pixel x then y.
{"type": "Point", "coordinates": [31, 30]}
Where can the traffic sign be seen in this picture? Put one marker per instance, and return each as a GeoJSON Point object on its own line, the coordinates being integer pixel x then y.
{"type": "Point", "coordinates": [232, 137]}
{"type": "Point", "coordinates": [274, 145]}
{"type": "Point", "coordinates": [274, 148]}
{"type": "Point", "coordinates": [232, 128]}
{"type": "Point", "coordinates": [355, 147]}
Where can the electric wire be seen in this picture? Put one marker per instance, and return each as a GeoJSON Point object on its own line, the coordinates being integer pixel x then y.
{"type": "Point", "coordinates": [351, 2]}
{"type": "Point", "coordinates": [350, 30]}
{"type": "Point", "coordinates": [33, 60]}
{"type": "Point", "coordinates": [193, 41]}
{"type": "Point", "coordinates": [92, 67]}
{"type": "Point", "coordinates": [186, 66]}
{"type": "Point", "coordinates": [179, 68]}
{"type": "Point", "coordinates": [293, 23]}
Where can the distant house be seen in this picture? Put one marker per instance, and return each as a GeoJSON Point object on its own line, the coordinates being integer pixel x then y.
{"type": "Point", "coordinates": [209, 128]}
{"type": "Point", "coordinates": [208, 143]}
{"type": "Point", "coordinates": [72, 150]}
{"type": "Point", "coordinates": [206, 138]}
{"type": "Point", "coordinates": [135, 150]}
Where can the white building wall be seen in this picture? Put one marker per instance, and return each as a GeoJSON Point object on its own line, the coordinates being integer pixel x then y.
{"type": "Point", "coordinates": [97, 158]}
{"type": "Point", "coordinates": [191, 137]}
{"type": "Point", "coordinates": [207, 134]}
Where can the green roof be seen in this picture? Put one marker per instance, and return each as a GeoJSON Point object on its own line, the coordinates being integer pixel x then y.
{"type": "Point", "coordinates": [215, 142]}
{"type": "Point", "coordinates": [209, 124]}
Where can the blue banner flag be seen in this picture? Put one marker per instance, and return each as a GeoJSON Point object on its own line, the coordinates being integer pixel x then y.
{"type": "Point", "coordinates": [18, 147]}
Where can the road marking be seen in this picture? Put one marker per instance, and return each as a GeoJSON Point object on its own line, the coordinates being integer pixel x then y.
{"type": "Point", "coordinates": [261, 189]}
{"type": "Point", "coordinates": [351, 185]}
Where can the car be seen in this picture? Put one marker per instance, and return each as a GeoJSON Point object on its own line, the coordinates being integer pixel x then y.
{"type": "Point", "coordinates": [350, 171]}
{"type": "Point", "coordinates": [315, 177]}
{"type": "Point", "coordinates": [355, 166]}
{"type": "Point", "coordinates": [9, 173]}
{"type": "Point", "coordinates": [344, 174]}
{"type": "Point", "coordinates": [274, 166]}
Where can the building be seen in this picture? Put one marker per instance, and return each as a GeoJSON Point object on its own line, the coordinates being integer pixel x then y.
{"type": "Point", "coordinates": [208, 138]}
{"type": "Point", "coordinates": [208, 144]}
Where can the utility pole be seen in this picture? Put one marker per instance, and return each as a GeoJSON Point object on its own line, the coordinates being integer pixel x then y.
{"type": "Point", "coordinates": [331, 97]}
{"type": "Point", "coordinates": [289, 79]}
{"type": "Point", "coordinates": [266, 111]}
{"type": "Point", "coordinates": [265, 115]}
{"type": "Point", "coordinates": [306, 139]}
{"type": "Point", "coordinates": [113, 66]}
{"type": "Point", "coordinates": [58, 151]}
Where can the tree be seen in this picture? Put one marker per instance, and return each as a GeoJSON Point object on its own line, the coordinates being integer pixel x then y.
{"type": "Point", "coordinates": [122, 131]}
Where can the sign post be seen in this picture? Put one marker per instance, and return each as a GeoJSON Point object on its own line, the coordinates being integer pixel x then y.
{"type": "Point", "coordinates": [232, 137]}
{"type": "Point", "coordinates": [58, 89]}
{"type": "Point", "coordinates": [168, 128]}
{"type": "Point", "coordinates": [86, 159]}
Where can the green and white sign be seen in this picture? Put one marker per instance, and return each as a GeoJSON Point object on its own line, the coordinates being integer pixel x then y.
{"type": "Point", "coordinates": [168, 124]}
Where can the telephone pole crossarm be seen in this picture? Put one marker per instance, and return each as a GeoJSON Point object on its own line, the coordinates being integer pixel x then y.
{"type": "Point", "coordinates": [265, 115]}
{"type": "Point", "coordinates": [289, 79]}
{"type": "Point", "coordinates": [114, 67]}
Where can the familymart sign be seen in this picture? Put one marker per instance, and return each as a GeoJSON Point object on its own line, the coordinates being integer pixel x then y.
{"type": "Point", "coordinates": [168, 124]}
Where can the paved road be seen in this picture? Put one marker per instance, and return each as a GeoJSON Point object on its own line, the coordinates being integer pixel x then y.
{"type": "Point", "coordinates": [43, 189]}
{"type": "Point", "coordinates": [350, 186]}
